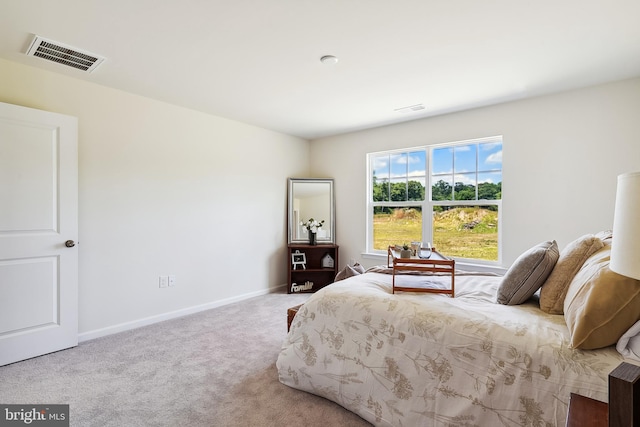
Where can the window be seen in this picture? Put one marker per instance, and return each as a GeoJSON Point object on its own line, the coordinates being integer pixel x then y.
{"type": "Point", "coordinates": [448, 194]}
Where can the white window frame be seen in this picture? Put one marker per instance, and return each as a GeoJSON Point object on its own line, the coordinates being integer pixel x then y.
{"type": "Point", "coordinates": [427, 205]}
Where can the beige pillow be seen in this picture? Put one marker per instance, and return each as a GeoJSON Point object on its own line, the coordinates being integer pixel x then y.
{"type": "Point", "coordinates": [571, 259]}
{"type": "Point", "coordinates": [528, 273]}
{"type": "Point", "coordinates": [600, 305]}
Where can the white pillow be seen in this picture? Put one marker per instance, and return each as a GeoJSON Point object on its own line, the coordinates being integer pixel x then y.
{"type": "Point", "coordinates": [629, 343]}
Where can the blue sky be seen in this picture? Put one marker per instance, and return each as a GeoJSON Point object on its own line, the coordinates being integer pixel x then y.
{"type": "Point", "coordinates": [457, 162]}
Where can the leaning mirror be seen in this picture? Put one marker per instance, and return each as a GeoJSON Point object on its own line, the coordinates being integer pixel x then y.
{"type": "Point", "coordinates": [311, 198]}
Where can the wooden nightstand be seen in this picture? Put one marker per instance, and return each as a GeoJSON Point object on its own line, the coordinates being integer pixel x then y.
{"type": "Point", "coordinates": [587, 412]}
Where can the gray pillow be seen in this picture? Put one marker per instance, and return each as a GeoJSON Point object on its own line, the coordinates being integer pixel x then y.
{"type": "Point", "coordinates": [349, 271]}
{"type": "Point", "coordinates": [528, 273]}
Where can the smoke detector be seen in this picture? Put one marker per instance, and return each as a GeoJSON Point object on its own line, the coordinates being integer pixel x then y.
{"type": "Point", "coordinates": [64, 54]}
{"type": "Point", "coordinates": [329, 59]}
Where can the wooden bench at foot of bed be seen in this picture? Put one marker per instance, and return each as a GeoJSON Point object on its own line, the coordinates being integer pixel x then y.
{"type": "Point", "coordinates": [291, 313]}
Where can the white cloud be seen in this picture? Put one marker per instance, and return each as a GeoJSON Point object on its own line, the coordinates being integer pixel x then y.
{"type": "Point", "coordinates": [465, 179]}
{"type": "Point", "coordinates": [415, 159]}
{"type": "Point", "coordinates": [490, 146]}
{"type": "Point", "coordinates": [380, 162]}
{"type": "Point", "coordinates": [495, 157]}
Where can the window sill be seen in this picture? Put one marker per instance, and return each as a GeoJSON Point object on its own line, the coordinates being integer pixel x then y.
{"type": "Point", "coordinates": [462, 265]}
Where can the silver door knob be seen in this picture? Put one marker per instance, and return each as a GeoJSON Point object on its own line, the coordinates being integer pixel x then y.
{"type": "Point", "coordinates": [69, 243]}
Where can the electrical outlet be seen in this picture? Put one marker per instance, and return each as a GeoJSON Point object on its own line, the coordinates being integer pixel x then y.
{"type": "Point", "coordinates": [163, 281]}
{"type": "Point", "coordinates": [172, 280]}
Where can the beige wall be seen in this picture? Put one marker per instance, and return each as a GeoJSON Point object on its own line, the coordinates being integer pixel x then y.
{"type": "Point", "coordinates": [561, 153]}
{"type": "Point", "coordinates": [166, 190]}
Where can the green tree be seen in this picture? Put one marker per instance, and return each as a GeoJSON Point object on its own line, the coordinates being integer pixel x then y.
{"type": "Point", "coordinates": [398, 191]}
{"type": "Point", "coordinates": [464, 192]}
{"type": "Point", "coordinates": [441, 190]}
{"type": "Point", "coordinates": [489, 191]}
{"type": "Point", "coordinates": [380, 190]}
{"type": "Point", "coordinates": [415, 190]}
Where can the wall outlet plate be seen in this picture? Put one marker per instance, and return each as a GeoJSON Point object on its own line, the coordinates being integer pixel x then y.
{"type": "Point", "coordinates": [163, 281]}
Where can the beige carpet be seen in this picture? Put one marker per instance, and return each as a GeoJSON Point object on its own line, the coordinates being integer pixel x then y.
{"type": "Point", "coordinates": [215, 368]}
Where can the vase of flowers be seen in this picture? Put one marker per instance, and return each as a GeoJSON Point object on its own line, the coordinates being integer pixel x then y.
{"type": "Point", "coordinates": [312, 227]}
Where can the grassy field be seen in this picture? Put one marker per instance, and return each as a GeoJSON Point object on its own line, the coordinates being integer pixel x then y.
{"type": "Point", "coordinates": [468, 232]}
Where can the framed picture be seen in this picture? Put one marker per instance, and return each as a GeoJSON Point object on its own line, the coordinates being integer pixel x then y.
{"type": "Point", "coordinates": [298, 259]}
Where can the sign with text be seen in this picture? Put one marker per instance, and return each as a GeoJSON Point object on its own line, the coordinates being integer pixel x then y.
{"type": "Point", "coordinates": [34, 415]}
{"type": "Point", "coordinates": [300, 288]}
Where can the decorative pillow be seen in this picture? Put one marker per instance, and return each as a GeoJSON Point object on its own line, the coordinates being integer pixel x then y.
{"type": "Point", "coordinates": [629, 343]}
{"type": "Point", "coordinates": [600, 305]}
{"type": "Point", "coordinates": [349, 271]}
{"type": "Point", "coordinates": [571, 259]}
{"type": "Point", "coordinates": [357, 267]}
{"type": "Point", "coordinates": [605, 236]}
{"type": "Point", "coordinates": [528, 273]}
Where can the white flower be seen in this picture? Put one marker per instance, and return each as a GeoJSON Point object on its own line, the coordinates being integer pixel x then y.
{"type": "Point", "coordinates": [312, 225]}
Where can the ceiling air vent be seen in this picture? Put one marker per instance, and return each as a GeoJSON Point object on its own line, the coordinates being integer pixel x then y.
{"type": "Point", "coordinates": [64, 54]}
{"type": "Point", "coordinates": [415, 107]}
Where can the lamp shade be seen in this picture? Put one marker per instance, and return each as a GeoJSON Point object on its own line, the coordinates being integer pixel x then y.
{"type": "Point", "coordinates": [625, 246]}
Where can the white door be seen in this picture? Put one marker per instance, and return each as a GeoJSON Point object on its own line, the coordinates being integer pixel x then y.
{"type": "Point", "coordinates": [38, 214]}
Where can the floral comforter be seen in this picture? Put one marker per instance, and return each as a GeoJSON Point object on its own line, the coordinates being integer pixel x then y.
{"type": "Point", "coordinates": [409, 359]}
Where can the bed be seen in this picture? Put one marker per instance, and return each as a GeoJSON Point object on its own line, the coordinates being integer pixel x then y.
{"type": "Point", "coordinates": [411, 359]}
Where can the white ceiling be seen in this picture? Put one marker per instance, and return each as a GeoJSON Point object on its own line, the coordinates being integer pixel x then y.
{"type": "Point", "coordinates": [258, 61]}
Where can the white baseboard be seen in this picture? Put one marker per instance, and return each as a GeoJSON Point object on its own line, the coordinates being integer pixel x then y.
{"type": "Point", "coordinates": [97, 333]}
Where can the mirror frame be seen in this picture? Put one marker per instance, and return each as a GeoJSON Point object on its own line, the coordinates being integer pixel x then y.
{"type": "Point", "coordinates": [332, 211]}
